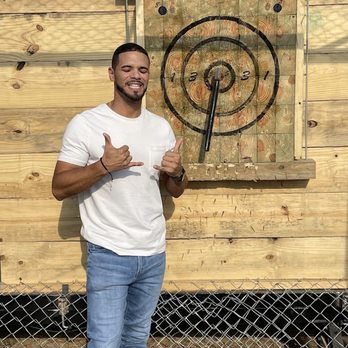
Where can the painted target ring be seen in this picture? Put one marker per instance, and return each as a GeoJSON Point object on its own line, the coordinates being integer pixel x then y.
{"type": "Point", "coordinates": [216, 64]}
{"type": "Point", "coordinates": [178, 72]}
{"type": "Point", "coordinates": [220, 63]}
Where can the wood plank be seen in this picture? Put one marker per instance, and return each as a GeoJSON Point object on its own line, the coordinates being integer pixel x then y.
{"type": "Point", "coordinates": [85, 84]}
{"type": "Point", "coordinates": [190, 260]}
{"type": "Point", "coordinates": [24, 131]}
{"type": "Point", "coordinates": [300, 75]}
{"type": "Point", "coordinates": [38, 220]}
{"type": "Point", "coordinates": [193, 216]}
{"type": "Point", "coordinates": [29, 6]}
{"type": "Point", "coordinates": [205, 216]}
{"type": "Point", "coordinates": [63, 36]}
{"type": "Point", "coordinates": [249, 171]}
{"type": "Point", "coordinates": [195, 286]}
{"type": "Point", "coordinates": [328, 28]}
{"type": "Point", "coordinates": [251, 284]}
{"type": "Point", "coordinates": [328, 77]}
{"type": "Point", "coordinates": [29, 176]}
{"type": "Point", "coordinates": [331, 176]}
{"type": "Point", "coordinates": [327, 2]}
{"type": "Point", "coordinates": [257, 259]}
{"type": "Point", "coordinates": [327, 124]}
{"type": "Point", "coordinates": [44, 6]}
{"type": "Point", "coordinates": [40, 130]}
{"type": "Point", "coordinates": [68, 84]}
{"type": "Point", "coordinates": [140, 26]}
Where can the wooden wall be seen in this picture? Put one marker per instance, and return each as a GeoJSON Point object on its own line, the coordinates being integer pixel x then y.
{"type": "Point", "coordinates": [53, 63]}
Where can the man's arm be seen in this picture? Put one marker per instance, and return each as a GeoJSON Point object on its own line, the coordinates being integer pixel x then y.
{"type": "Point", "coordinates": [70, 179]}
{"type": "Point", "coordinates": [174, 188]}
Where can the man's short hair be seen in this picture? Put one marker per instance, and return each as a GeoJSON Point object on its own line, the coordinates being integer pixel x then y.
{"type": "Point", "coordinates": [127, 47]}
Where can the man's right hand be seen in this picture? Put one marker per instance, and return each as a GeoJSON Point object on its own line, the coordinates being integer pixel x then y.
{"type": "Point", "coordinates": [117, 158]}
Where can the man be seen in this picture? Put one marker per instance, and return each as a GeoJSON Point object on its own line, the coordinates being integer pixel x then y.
{"type": "Point", "coordinates": [113, 156]}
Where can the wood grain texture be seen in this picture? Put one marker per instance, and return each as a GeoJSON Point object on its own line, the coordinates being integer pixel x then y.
{"type": "Point", "coordinates": [40, 130]}
{"type": "Point", "coordinates": [24, 131]}
{"type": "Point", "coordinates": [249, 171]}
{"type": "Point", "coordinates": [68, 84]}
{"type": "Point", "coordinates": [63, 36]}
{"type": "Point", "coordinates": [85, 84]}
{"type": "Point", "coordinates": [328, 28]}
{"type": "Point", "coordinates": [327, 124]}
{"type": "Point", "coordinates": [193, 216]}
{"type": "Point", "coordinates": [327, 2]}
{"type": "Point", "coordinates": [328, 77]}
{"type": "Point", "coordinates": [189, 260]}
{"type": "Point", "coordinates": [25, 176]}
{"type": "Point", "coordinates": [44, 6]}
{"type": "Point", "coordinates": [193, 286]}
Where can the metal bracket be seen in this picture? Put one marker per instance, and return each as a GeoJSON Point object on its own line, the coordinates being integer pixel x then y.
{"type": "Point", "coordinates": [63, 304]}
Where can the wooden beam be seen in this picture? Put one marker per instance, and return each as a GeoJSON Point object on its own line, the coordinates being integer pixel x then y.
{"type": "Point", "coordinates": [295, 170]}
{"type": "Point", "coordinates": [299, 89]}
{"type": "Point", "coordinates": [40, 130]}
{"type": "Point", "coordinates": [85, 84]}
{"type": "Point", "coordinates": [29, 6]}
{"type": "Point", "coordinates": [62, 36]}
{"type": "Point", "coordinates": [190, 260]}
{"type": "Point", "coordinates": [140, 27]}
{"type": "Point", "coordinates": [193, 216]}
{"type": "Point", "coordinates": [214, 285]}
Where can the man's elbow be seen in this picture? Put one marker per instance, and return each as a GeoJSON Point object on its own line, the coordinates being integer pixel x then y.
{"type": "Point", "coordinates": [176, 194]}
{"type": "Point", "coordinates": [58, 194]}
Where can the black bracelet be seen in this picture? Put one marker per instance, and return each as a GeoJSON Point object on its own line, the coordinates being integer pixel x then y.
{"type": "Point", "coordinates": [101, 161]}
{"type": "Point", "coordinates": [180, 177]}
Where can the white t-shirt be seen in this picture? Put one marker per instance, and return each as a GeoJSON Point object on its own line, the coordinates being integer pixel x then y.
{"type": "Point", "coordinates": [125, 214]}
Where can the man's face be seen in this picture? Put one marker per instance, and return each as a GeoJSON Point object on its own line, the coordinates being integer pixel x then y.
{"type": "Point", "coordinates": [131, 75]}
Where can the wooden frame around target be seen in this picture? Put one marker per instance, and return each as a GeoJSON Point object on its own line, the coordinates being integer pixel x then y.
{"type": "Point", "coordinates": [256, 111]}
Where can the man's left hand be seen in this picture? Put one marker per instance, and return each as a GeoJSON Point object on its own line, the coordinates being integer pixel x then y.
{"type": "Point", "coordinates": [171, 161]}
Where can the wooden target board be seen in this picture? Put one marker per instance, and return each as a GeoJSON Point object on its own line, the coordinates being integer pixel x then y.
{"type": "Point", "coordinates": [228, 76]}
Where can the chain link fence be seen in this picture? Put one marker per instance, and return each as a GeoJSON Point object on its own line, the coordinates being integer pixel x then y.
{"type": "Point", "coordinates": [212, 314]}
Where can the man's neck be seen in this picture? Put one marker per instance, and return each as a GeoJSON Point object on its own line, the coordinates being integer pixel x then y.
{"type": "Point", "coordinates": [125, 109]}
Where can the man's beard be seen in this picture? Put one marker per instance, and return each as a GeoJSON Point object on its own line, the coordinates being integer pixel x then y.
{"type": "Point", "coordinates": [131, 97]}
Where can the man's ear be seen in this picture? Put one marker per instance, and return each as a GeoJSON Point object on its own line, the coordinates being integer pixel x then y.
{"type": "Point", "coordinates": [111, 74]}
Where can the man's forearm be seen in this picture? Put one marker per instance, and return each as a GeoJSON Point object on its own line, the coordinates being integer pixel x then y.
{"type": "Point", "coordinates": [68, 182]}
{"type": "Point", "coordinates": [175, 189]}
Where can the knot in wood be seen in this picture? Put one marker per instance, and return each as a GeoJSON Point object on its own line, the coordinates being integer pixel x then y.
{"type": "Point", "coordinates": [32, 49]}
{"type": "Point", "coordinates": [312, 123]}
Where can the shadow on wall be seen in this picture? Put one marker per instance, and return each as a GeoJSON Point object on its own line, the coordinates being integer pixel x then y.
{"type": "Point", "coordinates": [69, 226]}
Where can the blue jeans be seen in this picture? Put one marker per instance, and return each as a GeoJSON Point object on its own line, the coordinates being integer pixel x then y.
{"type": "Point", "coordinates": [122, 294]}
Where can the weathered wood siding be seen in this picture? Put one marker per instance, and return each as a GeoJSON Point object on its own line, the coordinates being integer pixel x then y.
{"type": "Point", "coordinates": [53, 63]}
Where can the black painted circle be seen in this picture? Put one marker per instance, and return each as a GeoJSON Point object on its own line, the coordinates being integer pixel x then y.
{"type": "Point", "coordinates": [217, 64]}
{"type": "Point", "coordinates": [162, 10]}
{"type": "Point", "coordinates": [277, 8]}
{"type": "Point", "coordinates": [202, 43]}
{"type": "Point", "coordinates": [195, 24]}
